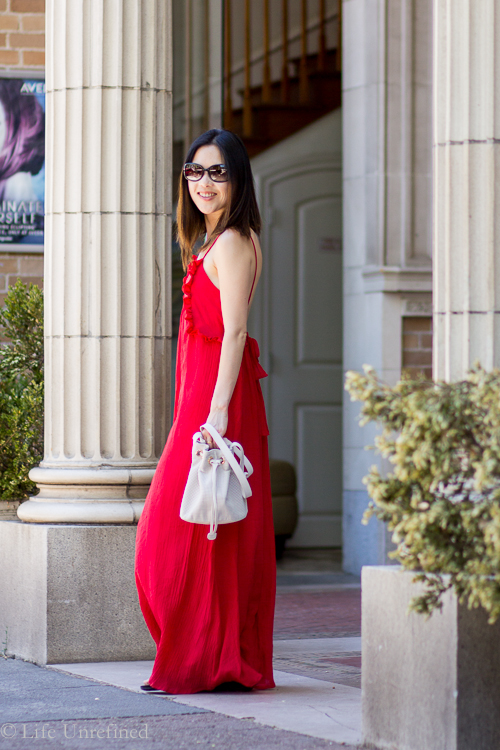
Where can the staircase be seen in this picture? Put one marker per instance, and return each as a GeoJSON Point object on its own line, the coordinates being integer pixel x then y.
{"type": "Point", "coordinates": [273, 120]}
{"type": "Point", "coordinates": [309, 85]}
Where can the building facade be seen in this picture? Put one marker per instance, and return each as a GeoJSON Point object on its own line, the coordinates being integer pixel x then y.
{"type": "Point", "coordinates": [340, 106]}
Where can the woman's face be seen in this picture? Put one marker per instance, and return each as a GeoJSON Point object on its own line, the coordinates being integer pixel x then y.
{"type": "Point", "coordinates": [210, 197]}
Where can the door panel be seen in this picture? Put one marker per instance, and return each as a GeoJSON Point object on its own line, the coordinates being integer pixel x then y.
{"type": "Point", "coordinates": [319, 250]}
{"type": "Point", "coordinates": [305, 344]}
{"type": "Point", "coordinates": [319, 450]}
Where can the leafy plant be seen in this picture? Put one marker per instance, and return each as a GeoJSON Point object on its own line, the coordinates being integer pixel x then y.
{"type": "Point", "coordinates": [21, 389]}
{"type": "Point", "coordinates": [442, 499]}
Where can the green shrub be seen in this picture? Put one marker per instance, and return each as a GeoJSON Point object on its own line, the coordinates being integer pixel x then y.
{"type": "Point", "coordinates": [442, 498]}
{"type": "Point", "coordinates": [21, 389]}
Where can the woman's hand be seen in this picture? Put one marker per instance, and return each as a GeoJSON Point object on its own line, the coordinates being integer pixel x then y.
{"type": "Point", "coordinates": [218, 419]}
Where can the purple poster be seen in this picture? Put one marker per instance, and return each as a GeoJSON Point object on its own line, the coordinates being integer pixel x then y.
{"type": "Point", "coordinates": [22, 161]}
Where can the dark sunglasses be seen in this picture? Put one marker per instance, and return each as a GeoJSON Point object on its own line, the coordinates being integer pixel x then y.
{"type": "Point", "coordinates": [194, 172]}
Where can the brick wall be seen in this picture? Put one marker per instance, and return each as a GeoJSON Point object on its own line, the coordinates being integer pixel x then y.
{"type": "Point", "coordinates": [22, 34]}
{"type": "Point", "coordinates": [417, 346]}
{"type": "Point", "coordinates": [14, 266]}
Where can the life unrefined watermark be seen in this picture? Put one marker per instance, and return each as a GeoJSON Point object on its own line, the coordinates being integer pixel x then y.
{"type": "Point", "coordinates": [72, 730]}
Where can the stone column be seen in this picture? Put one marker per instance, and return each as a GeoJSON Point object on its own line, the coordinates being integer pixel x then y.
{"type": "Point", "coordinates": [466, 194]}
{"type": "Point", "coordinates": [107, 253]}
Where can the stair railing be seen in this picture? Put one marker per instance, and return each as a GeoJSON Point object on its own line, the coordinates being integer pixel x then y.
{"type": "Point", "coordinates": [228, 102]}
{"type": "Point", "coordinates": [266, 73]}
{"type": "Point", "coordinates": [303, 71]}
{"type": "Point", "coordinates": [322, 36]}
{"type": "Point", "coordinates": [247, 101]}
{"type": "Point", "coordinates": [285, 80]}
{"type": "Point", "coordinates": [338, 59]}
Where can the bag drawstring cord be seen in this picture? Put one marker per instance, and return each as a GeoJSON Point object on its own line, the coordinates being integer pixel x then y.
{"type": "Point", "coordinates": [212, 534]}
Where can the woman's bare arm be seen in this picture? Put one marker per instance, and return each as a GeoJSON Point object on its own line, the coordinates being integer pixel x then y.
{"type": "Point", "coordinates": [234, 261]}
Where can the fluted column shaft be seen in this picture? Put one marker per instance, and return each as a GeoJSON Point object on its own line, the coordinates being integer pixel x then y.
{"type": "Point", "coordinates": [107, 269]}
{"type": "Point", "coordinates": [466, 185]}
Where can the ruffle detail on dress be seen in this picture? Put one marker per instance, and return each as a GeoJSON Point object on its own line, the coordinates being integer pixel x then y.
{"type": "Point", "coordinates": [188, 305]}
{"type": "Point", "coordinates": [253, 347]}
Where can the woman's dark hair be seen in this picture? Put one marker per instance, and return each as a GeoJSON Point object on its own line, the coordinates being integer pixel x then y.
{"type": "Point", "coordinates": [241, 212]}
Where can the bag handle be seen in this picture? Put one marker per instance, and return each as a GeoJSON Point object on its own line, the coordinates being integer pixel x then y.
{"type": "Point", "coordinates": [245, 485]}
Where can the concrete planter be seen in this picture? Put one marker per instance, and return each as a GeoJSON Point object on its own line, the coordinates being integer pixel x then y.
{"type": "Point", "coordinates": [426, 684]}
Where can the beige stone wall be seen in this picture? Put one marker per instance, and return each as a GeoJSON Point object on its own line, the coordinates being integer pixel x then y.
{"type": "Point", "coordinates": [22, 34]}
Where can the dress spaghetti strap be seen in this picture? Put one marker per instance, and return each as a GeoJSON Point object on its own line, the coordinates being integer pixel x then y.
{"type": "Point", "coordinates": [255, 251]}
{"type": "Point", "coordinates": [211, 246]}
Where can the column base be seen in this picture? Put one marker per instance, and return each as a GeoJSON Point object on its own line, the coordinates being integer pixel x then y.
{"type": "Point", "coordinates": [87, 494]}
{"type": "Point", "coordinates": [68, 594]}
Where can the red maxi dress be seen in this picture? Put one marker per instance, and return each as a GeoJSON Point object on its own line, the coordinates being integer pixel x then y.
{"type": "Point", "coordinates": [209, 605]}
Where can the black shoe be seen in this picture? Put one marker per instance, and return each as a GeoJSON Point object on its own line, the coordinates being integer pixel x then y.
{"type": "Point", "coordinates": [150, 688]}
{"type": "Point", "coordinates": [231, 687]}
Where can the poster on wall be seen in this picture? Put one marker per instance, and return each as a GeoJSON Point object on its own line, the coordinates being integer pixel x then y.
{"type": "Point", "coordinates": [22, 162]}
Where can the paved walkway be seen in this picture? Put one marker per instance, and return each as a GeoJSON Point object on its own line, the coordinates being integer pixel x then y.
{"type": "Point", "coordinates": [316, 703]}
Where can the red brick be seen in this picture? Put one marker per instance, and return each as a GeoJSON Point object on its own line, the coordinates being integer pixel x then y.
{"type": "Point", "coordinates": [417, 324]}
{"type": "Point", "coordinates": [31, 265]}
{"type": "Point", "coordinates": [9, 265]}
{"type": "Point", "coordinates": [326, 614]}
{"type": "Point", "coordinates": [426, 340]}
{"type": "Point", "coordinates": [417, 357]}
{"type": "Point", "coordinates": [26, 280]}
{"type": "Point", "coordinates": [32, 23]}
{"type": "Point", "coordinates": [9, 23]}
{"type": "Point", "coordinates": [416, 371]}
{"type": "Point", "coordinates": [3, 5]}
{"type": "Point", "coordinates": [27, 41]}
{"type": "Point", "coordinates": [3, 40]}
{"type": "Point", "coordinates": [33, 58]}
{"type": "Point", "coordinates": [27, 6]}
{"type": "Point", "coordinates": [3, 282]}
{"type": "Point", "coordinates": [411, 341]}
{"type": "Point", "coordinates": [9, 57]}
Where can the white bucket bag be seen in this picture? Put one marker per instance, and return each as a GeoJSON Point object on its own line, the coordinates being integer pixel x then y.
{"type": "Point", "coordinates": [217, 487]}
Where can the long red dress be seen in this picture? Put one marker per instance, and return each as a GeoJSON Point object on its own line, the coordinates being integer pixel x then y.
{"type": "Point", "coordinates": [209, 605]}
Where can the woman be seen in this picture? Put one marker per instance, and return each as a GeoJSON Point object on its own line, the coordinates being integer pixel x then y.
{"type": "Point", "coordinates": [209, 605]}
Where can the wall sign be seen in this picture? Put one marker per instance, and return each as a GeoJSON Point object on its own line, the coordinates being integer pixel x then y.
{"type": "Point", "coordinates": [22, 162]}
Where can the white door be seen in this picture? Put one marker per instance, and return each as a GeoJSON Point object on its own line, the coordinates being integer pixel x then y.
{"type": "Point", "coordinates": [305, 346]}
{"type": "Point", "coordinates": [300, 322]}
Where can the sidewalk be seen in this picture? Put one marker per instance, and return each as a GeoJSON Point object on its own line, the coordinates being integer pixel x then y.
{"type": "Point", "coordinates": [316, 703]}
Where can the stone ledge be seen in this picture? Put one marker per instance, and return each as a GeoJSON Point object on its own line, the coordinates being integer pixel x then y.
{"type": "Point", "coordinates": [394, 279]}
{"type": "Point", "coordinates": [68, 594]}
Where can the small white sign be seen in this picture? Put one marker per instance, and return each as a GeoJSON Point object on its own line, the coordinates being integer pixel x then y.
{"type": "Point", "coordinates": [330, 245]}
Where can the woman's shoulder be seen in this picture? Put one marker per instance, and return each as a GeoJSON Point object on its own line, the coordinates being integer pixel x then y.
{"type": "Point", "coordinates": [231, 241]}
